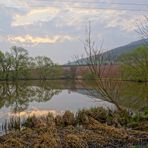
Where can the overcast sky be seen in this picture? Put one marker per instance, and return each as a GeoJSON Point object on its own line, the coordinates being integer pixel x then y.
{"type": "Point", "coordinates": [56, 28]}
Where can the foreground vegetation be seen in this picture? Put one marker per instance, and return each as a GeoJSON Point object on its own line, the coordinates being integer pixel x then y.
{"type": "Point", "coordinates": [92, 128]}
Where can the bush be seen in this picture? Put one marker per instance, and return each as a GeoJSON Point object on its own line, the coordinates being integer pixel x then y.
{"type": "Point", "coordinates": [99, 114]}
{"type": "Point", "coordinates": [59, 120]}
{"type": "Point", "coordinates": [68, 118]}
{"type": "Point", "coordinates": [31, 122]}
{"type": "Point", "coordinates": [82, 117]}
{"type": "Point", "coordinates": [88, 76]}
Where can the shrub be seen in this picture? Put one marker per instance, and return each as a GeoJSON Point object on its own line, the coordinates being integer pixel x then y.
{"type": "Point", "coordinates": [68, 118]}
{"type": "Point", "coordinates": [59, 120]}
{"type": "Point", "coordinates": [31, 122]}
{"type": "Point", "coordinates": [82, 117]}
{"type": "Point", "coordinates": [98, 113]}
{"type": "Point", "coordinates": [88, 76]}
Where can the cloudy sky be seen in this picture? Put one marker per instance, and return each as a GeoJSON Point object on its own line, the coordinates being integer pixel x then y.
{"type": "Point", "coordinates": [57, 28]}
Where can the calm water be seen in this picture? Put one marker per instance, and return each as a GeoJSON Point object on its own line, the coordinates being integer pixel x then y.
{"type": "Point", "coordinates": [39, 98]}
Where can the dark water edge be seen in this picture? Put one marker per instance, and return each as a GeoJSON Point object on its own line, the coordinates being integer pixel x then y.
{"type": "Point", "coordinates": [70, 79]}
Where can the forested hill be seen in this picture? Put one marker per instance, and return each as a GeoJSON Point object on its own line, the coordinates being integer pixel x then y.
{"type": "Point", "coordinates": [116, 52]}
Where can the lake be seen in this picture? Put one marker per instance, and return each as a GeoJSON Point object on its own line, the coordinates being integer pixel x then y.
{"type": "Point", "coordinates": [26, 98]}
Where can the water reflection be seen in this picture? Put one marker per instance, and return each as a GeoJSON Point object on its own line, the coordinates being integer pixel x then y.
{"type": "Point", "coordinates": [36, 112]}
{"type": "Point", "coordinates": [131, 95]}
{"type": "Point", "coordinates": [18, 95]}
{"type": "Point", "coordinates": [26, 98]}
{"type": "Point", "coordinates": [134, 95]}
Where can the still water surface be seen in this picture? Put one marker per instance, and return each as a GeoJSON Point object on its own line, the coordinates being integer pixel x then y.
{"type": "Point", "coordinates": [40, 97]}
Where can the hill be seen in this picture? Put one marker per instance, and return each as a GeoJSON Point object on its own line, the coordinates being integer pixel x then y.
{"type": "Point", "coordinates": [114, 53]}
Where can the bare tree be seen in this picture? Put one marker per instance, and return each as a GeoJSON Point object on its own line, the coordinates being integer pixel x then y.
{"type": "Point", "coordinates": [134, 64]}
{"type": "Point", "coordinates": [102, 69]}
{"type": "Point", "coordinates": [143, 30]}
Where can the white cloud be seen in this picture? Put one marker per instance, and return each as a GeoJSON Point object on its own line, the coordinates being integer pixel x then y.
{"type": "Point", "coordinates": [35, 16]}
{"type": "Point", "coordinates": [76, 16]}
{"type": "Point", "coordinates": [116, 19]}
{"type": "Point", "coordinates": [14, 3]}
{"type": "Point", "coordinates": [125, 21]}
{"type": "Point", "coordinates": [28, 39]}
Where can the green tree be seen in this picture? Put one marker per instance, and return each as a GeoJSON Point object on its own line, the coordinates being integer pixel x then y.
{"type": "Point", "coordinates": [1, 64]}
{"type": "Point", "coordinates": [44, 65]}
{"type": "Point", "coordinates": [56, 71]}
{"type": "Point", "coordinates": [19, 58]}
{"type": "Point", "coordinates": [134, 65]}
{"type": "Point", "coordinates": [5, 65]}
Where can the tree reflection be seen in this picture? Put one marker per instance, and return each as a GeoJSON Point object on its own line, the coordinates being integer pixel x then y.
{"type": "Point", "coordinates": [132, 95]}
{"type": "Point", "coordinates": [18, 95]}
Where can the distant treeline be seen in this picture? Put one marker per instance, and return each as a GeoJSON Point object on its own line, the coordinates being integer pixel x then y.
{"type": "Point", "coordinates": [17, 65]}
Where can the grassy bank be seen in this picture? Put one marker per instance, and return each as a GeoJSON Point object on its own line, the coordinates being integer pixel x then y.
{"type": "Point", "coordinates": [91, 128]}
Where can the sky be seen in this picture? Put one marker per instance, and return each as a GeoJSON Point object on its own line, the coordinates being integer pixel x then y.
{"type": "Point", "coordinates": [57, 28]}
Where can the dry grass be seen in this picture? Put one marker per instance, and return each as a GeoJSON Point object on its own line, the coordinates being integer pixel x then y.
{"type": "Point", "coordinates": [86, 129]}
